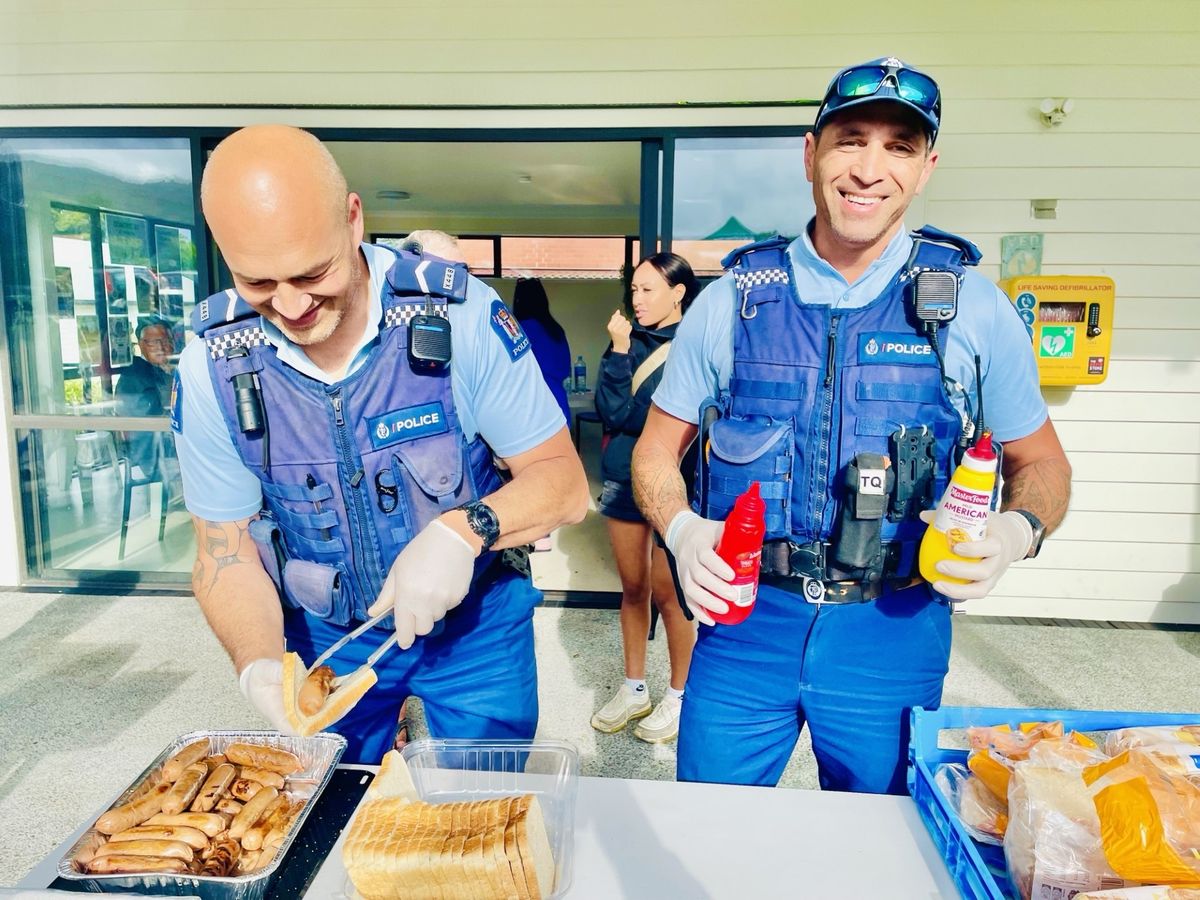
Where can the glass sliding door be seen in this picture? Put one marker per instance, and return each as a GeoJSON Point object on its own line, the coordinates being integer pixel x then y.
{"type": "Point", "coordinates": [729, 191]}
{"type": "Point", "coordinates": [100, 277]}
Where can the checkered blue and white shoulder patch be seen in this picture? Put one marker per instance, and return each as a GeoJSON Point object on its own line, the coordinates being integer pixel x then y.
{"type": "Point", "coordinates": [403, 313]}
{"type": "Point", "coordinates": [746, 280]}
{"type": "Point", "coordinates": [221, 344]}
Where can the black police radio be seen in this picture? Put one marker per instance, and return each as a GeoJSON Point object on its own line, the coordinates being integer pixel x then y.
{"type": "Point", "coordinates": [429, 332]}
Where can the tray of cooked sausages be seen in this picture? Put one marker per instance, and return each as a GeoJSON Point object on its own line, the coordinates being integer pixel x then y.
{"type": "Point", "coordinates": [213, 816]}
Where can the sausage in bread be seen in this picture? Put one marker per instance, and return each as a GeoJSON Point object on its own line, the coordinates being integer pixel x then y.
{"type": "Point", "coordinates": [315, 690]}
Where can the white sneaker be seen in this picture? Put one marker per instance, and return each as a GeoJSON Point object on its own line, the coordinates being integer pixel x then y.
{"type": "Point", "coordinates": [625, 705]}
{"type": "Point", "coordinates": [662, 725]}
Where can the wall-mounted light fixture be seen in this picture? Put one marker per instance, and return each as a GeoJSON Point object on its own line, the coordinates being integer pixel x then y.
{"type": "Point", "coordinates": [392, 195]}
{"type": "Point", "coordinates": [1054, 111]}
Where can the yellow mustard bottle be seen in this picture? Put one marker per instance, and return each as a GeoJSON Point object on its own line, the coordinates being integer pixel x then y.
{"type": "Point", "coordinates": [963, 513]}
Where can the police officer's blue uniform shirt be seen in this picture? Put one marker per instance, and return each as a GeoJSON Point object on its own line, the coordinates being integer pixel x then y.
{"type": "Point", "coordinates": [987, 324]}
{"type": "Point", "coordinates": [487, 384]}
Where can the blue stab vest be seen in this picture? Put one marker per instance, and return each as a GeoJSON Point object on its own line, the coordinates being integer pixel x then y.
{"type": "Point", "coordinates": [813, 386]}
{"type": "Point", "coordinates": [353, 470]}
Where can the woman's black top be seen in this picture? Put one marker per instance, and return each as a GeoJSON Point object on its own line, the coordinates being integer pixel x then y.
{"type": "Point", "coordinates": [622, 412]}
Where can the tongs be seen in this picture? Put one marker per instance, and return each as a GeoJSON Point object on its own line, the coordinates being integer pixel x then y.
{"type": "Point", "coordinates": [357, 633]}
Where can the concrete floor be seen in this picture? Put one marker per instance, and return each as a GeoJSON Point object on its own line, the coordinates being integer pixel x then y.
{"type": "Point", "coordinates": [95, 687]}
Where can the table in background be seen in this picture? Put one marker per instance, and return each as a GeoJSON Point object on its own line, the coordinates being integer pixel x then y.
{"type": "Point", "coordinates": [583, 409]}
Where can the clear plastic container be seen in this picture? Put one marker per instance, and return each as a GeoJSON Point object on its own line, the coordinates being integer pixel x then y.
{"type": "Point", "coordinates": [450, 771]}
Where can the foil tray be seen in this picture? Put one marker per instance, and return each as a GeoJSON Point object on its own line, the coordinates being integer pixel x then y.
{"type": "Point", "coordinates": [319, 755]}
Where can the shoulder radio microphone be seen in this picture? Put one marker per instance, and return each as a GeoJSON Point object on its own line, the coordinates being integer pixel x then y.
{"type": "Point", "coordinates": [935, 296]}
{"type": "Point", "coordinates": [429, 332]}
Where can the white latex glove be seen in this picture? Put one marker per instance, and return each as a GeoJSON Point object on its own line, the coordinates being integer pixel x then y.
{"type": "Point", "coordinates": [428, 579]}
{"type": "Point", "coordinates": [1007, 539]}
{"type": "Point", "coordinates": [262, 684]}
{"type": "Point", "coordinates": [703, 575]}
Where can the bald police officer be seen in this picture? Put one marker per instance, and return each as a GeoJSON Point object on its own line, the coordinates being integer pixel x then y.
{"type": "Point", "coordinates": [337, 449]}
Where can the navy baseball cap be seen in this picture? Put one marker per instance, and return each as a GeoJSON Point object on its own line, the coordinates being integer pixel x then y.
{"type": "Point", "coordinates": [887, 78]}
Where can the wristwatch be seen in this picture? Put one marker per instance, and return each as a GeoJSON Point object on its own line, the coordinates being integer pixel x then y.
{"type": "Point", "coordinates": [1039, 532]}
{"type": "Point", "coordinates": [483, 521]}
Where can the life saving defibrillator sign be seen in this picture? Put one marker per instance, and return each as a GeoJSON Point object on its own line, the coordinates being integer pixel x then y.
{"type": "Point", "coordinates": [407, 424]}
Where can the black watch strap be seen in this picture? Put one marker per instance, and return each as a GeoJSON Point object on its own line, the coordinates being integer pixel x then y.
{"type": "Point", "coordinates": [482, 520]}
{"type": "Point", "coordinates": [1039, 532]}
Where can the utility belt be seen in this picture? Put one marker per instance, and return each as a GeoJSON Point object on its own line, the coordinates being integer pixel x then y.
{"type": "Point", "coordinates": [811, 571]}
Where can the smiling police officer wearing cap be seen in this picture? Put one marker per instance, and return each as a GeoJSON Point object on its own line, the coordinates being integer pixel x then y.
{"type": "Point", "coordinates": [827, 369]}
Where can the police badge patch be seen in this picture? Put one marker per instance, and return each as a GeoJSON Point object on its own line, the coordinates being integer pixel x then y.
{"type": "Point", "coordinates": [506, 326]}
{"type": "Point", "coordinates": [407, 424]}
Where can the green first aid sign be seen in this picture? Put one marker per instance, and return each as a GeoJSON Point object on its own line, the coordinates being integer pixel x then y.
{"type": "Point", "coordinates": [1058, 341]}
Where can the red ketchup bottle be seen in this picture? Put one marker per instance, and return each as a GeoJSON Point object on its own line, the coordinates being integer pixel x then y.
{"type": "Point", "coordinates": [741, 547]}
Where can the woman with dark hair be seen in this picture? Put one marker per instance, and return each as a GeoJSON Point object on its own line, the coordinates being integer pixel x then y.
{"type": "Point", "coordinates": [663, 287]}
{"type": "Point", "coordinates": [547, 339]}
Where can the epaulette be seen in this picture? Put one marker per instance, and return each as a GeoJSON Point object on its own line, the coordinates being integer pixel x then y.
{"type": "Point", "coordinates": [222, 308]}
{"type": "Point", "coordinates": [426, 275]}
{"type": "Point", "coordinates": [774, 242]}
{"type": "Point", "coordinates": [964, 252]}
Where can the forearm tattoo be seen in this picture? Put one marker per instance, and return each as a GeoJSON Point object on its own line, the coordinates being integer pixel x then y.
{"type": "Point", "coordinates": [220, 545]}
{"type": "Point", "coordinates": [658, 488]}
{"type": "Point", "coordinates": [1043, 488]}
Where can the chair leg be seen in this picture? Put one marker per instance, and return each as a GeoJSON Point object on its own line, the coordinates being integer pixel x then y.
{"type": "Point", "coordinates": [162, 518]}
{"type": "Point", "coordinates": [127, 494]}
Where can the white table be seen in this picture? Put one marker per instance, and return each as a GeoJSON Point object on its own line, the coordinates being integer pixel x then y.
{"type": "Point", "coordinates": [662, 839]}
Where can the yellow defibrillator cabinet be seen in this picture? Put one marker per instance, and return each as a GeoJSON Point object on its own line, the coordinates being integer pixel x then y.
{"type": "Point", "coordinates": [1069, 318]}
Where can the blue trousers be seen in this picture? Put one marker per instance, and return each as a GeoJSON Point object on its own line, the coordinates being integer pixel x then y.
{"type": "Point", "coordinates": [851, 672]}
{"type": "Point", "coordinates": [477, 678]}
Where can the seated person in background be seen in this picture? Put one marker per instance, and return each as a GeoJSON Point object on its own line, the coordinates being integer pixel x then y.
{"type": "Point", "coordinates": [547, 339]}
{"type": "Point", "coordinates": [144, 388]}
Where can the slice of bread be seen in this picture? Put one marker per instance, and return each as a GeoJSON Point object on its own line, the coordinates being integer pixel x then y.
{"type": "Point", "coordinates": [337, 704]}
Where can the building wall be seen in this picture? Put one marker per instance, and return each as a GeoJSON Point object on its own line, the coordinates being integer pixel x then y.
{"type": "Point", "coordinates": [1123, 167]}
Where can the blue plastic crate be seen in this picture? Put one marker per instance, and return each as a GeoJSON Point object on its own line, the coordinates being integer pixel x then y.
{"type": "Point", "coordinates": [978, 869]}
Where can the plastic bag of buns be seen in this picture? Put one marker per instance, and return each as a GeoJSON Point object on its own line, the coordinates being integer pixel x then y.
{"type": "Point", "coordinates": [1181, 740]}
{"type": "Point", "coordinates": [1012, 744]}
{"type": "Point", "coordinates": [1052, 843]}
{"type": "Point", "coordinates": [1144, 892]}
{"type": "Point", "coordinates": [1148, 817]}
{"type": "Point", "coordinates": [983, 815]}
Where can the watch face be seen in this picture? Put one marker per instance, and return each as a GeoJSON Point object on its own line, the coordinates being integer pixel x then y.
{"type": "Point", "coordinates": [484, 522]}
